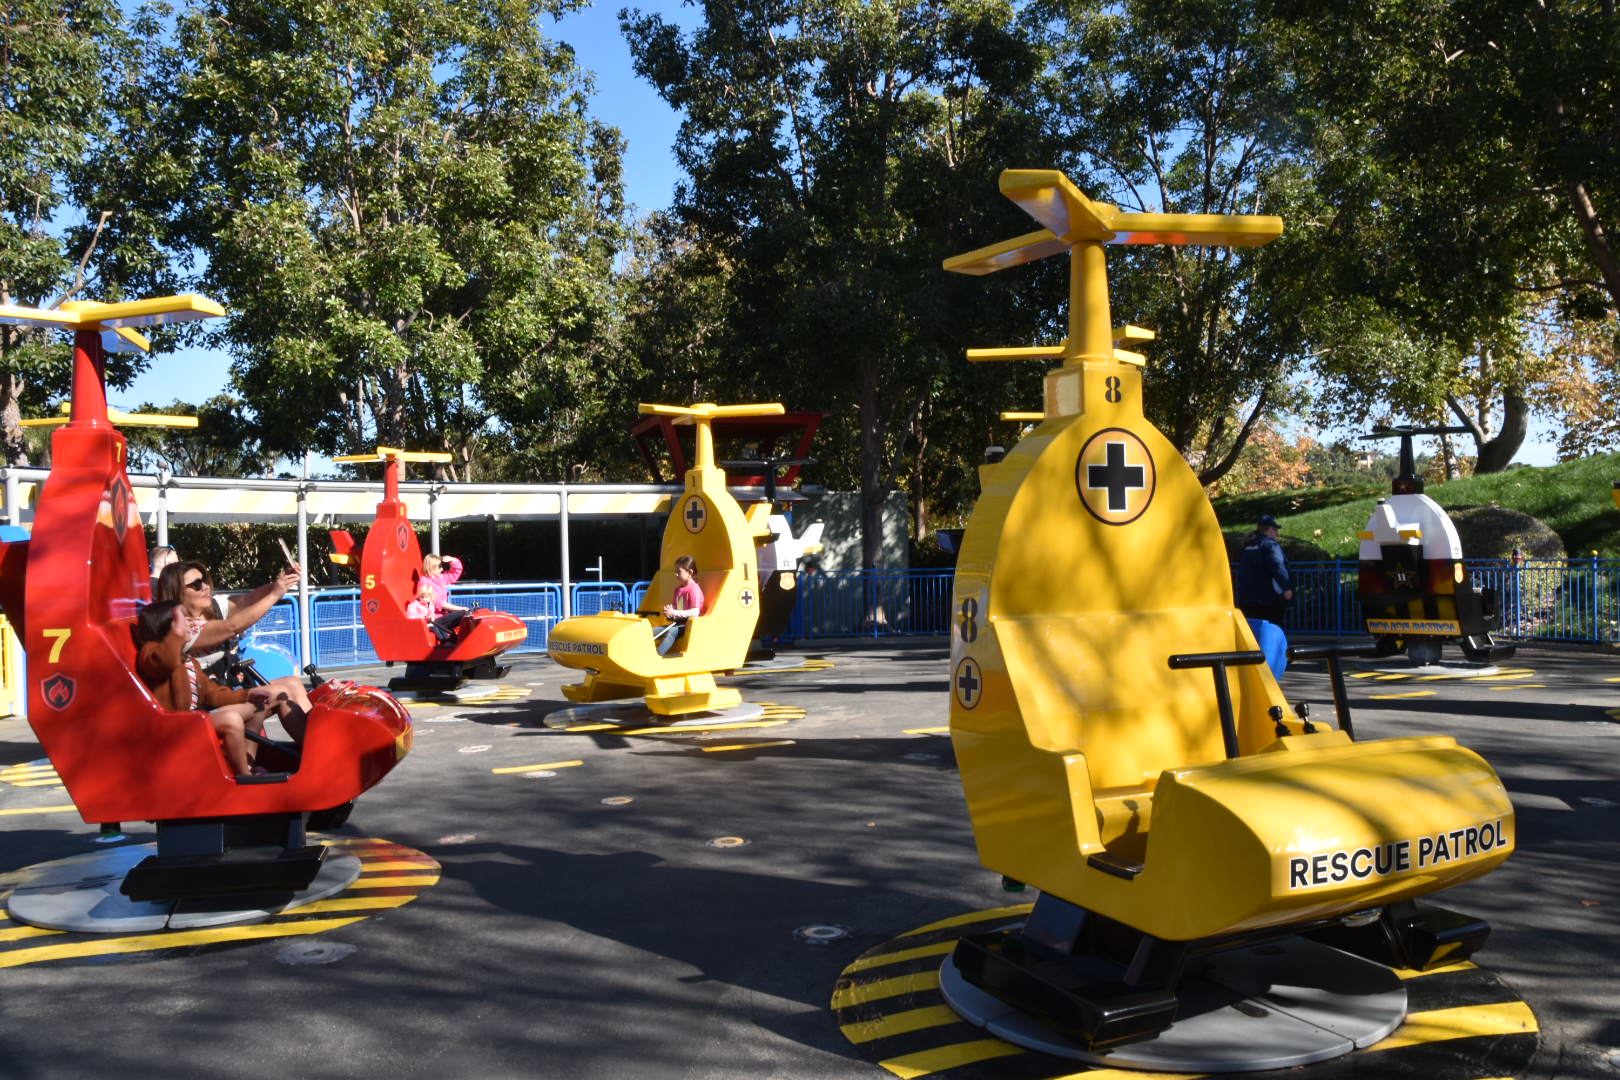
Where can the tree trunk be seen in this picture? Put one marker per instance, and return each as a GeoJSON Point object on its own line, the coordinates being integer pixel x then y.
{"type": "Point", "coordinates": [873, 490]}
{"type": "Point", "coordinates": [10, 420]}
{"type": "Point", "coordinates": [919, 498]}
{"type": "Point", "coordinates": [1495, 452]}
{"type": "Point", "coordinates": [1597, 242]}
{"type": "Point", "coordinates": [1208, 476]}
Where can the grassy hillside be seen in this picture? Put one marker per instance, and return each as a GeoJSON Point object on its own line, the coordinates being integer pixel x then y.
{"type": "Point", "coordinates": [1573, 499]}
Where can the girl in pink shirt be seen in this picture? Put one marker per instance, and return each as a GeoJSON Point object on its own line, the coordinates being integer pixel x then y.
{"type": "Point", "coordinates": [687, 604]}
{"type": "Point", "coordinates": [441, 572]}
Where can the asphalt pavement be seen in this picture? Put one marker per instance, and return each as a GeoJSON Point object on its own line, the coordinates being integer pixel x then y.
{"type": "Point", "coordinates": [683, 903]}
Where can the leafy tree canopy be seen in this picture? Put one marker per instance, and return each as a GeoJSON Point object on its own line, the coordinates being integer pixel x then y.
{"type": "Point", "coordinates": [406, 207]}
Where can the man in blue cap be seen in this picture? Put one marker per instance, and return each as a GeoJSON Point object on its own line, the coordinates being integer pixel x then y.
{"type": "Point", "coordinates": [1263, 585]}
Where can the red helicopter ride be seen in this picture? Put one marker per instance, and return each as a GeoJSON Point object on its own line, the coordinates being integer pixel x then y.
{"type": "Point", "coordinates": [72, 592]}
{"type": "Point", "coordinates": [390, 568]}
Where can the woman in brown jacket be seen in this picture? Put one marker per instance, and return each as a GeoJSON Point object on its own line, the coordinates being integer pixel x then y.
{"type": "Point", "coordinates": [179, 683]}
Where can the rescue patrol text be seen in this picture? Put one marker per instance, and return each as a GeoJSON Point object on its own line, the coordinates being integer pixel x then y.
{"type": "Point", "coordinates": [1395, 857]}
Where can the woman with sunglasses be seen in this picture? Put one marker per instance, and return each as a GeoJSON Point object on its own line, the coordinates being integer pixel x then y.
{"type": "Point", "coordinates": [216, 622]}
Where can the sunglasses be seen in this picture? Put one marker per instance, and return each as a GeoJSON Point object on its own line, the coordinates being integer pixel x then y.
{"type": "Point", "coordinates": [197, 584]}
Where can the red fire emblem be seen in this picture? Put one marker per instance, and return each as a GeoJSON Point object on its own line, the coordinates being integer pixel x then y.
{"type": "Point", "coordinates": [401, 534]}
{"type": "Point", "coordinates": [57, 691]}
{"type": "Point", "coordinates": [118, 498]}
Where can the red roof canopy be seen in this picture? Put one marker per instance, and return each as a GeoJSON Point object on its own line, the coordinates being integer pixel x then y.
{"type": "Point", "coordinates": [763, 438]}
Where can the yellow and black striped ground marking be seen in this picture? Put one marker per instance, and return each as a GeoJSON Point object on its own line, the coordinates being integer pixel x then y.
{"type": "Point", "coordinates": [1462, 1022]}
{"type": "Point", "coordinates": [391, 876]}
{"type": "Point", "coordinates": [807, 665]}
{"type": "Point", "coordinates": [495, 695]}
{"type": "Point", "coordinates": [39, 773]}
{"type": "Point", "coordinates": [774, 715]}
{"type": "Point", "coordinates": [1500, 675]}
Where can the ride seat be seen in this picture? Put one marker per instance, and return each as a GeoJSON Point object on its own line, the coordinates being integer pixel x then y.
{"type": "Point", "coordinates": [1131, 723]}
{"type": "Point", "coordinates": [1130, 730]}
{"type": "Point", "coordinates": [131, 657]}
{"type": "Point", "coordinates": [344, 551]}
{"type": "Point", "coordinates": [1124, 745]}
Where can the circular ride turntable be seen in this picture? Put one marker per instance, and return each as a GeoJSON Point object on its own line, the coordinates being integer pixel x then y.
{"type": "Point", "coordinates": [1270, 1006]}
{"type": "Point", "coordinates": [897, 1004]}
{"type": "Point", "coordinates": [80, 895]}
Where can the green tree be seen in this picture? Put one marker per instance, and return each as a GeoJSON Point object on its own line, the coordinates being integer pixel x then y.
{"type": "Point", "coordinates": [407, 209]}
{"type": "Point", "coordinates": [223, 443]}
{"type": "Point", "coordinates": [1174, 106]}
{"type": "Point", "coordinates": [1463, 156]}
{"type": "Point", "coordinates": [835, 152]}
{"type": "Point", "coordinates": [57, 63]}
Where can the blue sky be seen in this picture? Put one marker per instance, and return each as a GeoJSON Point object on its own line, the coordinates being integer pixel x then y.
{"type": "Point", "coordinates": [649, 127]}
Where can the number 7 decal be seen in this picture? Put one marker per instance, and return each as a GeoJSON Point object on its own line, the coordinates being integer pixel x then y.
{"type": "Point", "coordinates": [58, 639]}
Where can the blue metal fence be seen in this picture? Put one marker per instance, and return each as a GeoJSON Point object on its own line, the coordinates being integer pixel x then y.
{"type": "Point", "coordinates": [591, 597]}
{"type": "Point", "coordinates": [1575, 600]}
{"type": "Point", "coordinates": [338, 638]}
{"type": "Point", "coordinates": [279, 628]}
{"type": "Point", "coordinates": [873, 603]}
{"type": "Point", "coordinates": [537, 603]}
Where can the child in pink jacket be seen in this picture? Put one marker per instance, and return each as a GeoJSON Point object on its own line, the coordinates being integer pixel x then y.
{"type": "Point", "coordinates": [441, 572]}
{"type": "Point", "coordinates": [425, 606]}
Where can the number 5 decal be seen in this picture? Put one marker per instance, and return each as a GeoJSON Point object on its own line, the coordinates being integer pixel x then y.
{"type": "Point", "coordinates": [371, 581]}
{"type": "Point", "coordinates": [58, 639]}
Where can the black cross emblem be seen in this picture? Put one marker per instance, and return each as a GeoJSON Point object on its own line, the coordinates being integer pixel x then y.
{"type": "Point", "coordinates": [694, 515]}
{"type": "Point", "coordinates": [1118, 477]}
{"type": "Point", "coordinates": [747, 597]}
{"type": "Point", "coordinates": [967, 683]}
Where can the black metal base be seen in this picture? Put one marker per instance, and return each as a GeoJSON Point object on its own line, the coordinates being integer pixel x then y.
{"type": "Point", "coordinates": [1483, 648]}
{"type": "Point", "coordinates": [243, 871]}
{"type": "Point", "coordinates": [260, 855]}
{"type": "Point", "coordinates": [1102, 984]}
{"type": "Point", "coordinates": [446, 674]}
{"type": "Point", "coordinates": [1409, 935]}
{"type": "Point", "coordinates": [1275, 1005]}
{"type": "Point", "coordinates": [1083, 997]}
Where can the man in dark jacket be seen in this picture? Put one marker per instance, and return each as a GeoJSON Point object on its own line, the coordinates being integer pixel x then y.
{"type": "Point", "coordinates": [1263, 585]}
